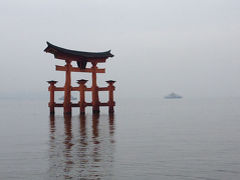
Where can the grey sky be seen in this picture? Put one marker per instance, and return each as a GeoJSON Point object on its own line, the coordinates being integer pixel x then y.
{"type": "Point", "coordinates": [187, 46]}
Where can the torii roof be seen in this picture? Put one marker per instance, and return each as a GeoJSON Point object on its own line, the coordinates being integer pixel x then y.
{"type": "Point", "coordinates": [76, 55]}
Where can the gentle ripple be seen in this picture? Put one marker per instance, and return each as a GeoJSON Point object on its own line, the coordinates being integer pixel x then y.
{"type": "Point", "coordinates": [150, 139]}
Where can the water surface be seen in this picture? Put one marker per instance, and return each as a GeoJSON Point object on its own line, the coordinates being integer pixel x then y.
{"type": "Point", "coordinates": [145, 139]}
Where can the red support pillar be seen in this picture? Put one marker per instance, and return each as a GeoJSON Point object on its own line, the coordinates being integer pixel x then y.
{"type": "Point", "coordinates": [67, 89]}
{"type": "Point", "coordinates": [51, 88]}
{"type": "Point", "coordinates": [82, 102]}
{"type": "Point", "coordinates": [111, 102]}
{"type": "Point", "coordinates": [95, 98]}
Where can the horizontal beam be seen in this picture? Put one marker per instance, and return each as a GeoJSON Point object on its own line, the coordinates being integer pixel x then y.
{"type": "Point", "coordinates": [86, 104]}
{"type": "Point", "coordinates": [90, 89]}
{"type": "Point", "coordinates": [58, 88]}
{"type": "Point", "coordinates": [75, 88]}
{"type": "Point", "coordinates": [103, 104]}
{"type": "Point", "coordinates": [103, 89]}
{"type": "Point", "coordinates": [75, 69]}
{"type": "Point", "coordinates": [58, 105]}
{"type": "Point", "coordinates": [78, 89]}
{"type": "Point", "coordinates": [75, 105]}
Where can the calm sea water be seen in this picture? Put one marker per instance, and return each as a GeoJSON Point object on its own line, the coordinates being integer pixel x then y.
{"type": "Point", "coordinates": [184, 139]}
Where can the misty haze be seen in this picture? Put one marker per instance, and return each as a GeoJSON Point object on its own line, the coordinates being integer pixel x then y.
{"type": "Point", "coordinates": [176, 98]}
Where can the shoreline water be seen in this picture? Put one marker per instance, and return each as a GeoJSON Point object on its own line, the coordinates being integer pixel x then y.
{"type": "Point", "coordinates": [154, 139]}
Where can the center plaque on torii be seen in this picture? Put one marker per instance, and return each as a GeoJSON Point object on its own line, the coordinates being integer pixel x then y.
{"type": "Point", "coordinates": [81, 58]}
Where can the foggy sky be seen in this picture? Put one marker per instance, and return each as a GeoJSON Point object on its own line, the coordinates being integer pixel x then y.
{"type": "Point", "coordinates": [190, 47]}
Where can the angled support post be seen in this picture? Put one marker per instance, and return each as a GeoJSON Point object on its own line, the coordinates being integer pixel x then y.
{"type": "Point", "coordinates": [111, 102]}
{"type": "Point", "coordinates": [51, 89]}
{"type": "Point", "coordinates": [82, 88]}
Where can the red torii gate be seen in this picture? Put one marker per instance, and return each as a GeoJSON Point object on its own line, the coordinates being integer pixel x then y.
{"type": "Point", "coordinates": [82, 58]}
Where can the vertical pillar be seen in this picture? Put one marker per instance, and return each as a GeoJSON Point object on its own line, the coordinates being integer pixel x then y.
{"type": "Point", "coordinates": [67, 89]}
{"type": "Point", "coordinates": [82, 102]}
{"type": "Point", "coordinates": [111, 102]}
{"type": "Point", "coordinates": [95, 99]}
{"type": "Point", "coordinates": [51, 103]}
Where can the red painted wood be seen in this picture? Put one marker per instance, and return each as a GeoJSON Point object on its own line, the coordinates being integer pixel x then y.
{"type": "Point", "coordinates": [82, 88]}
{"type": "Point", "coordinates": [95, 99]}
{"type": "Point", "coordinates": [67, 89]}
{"type": "Point", "coordinates": [82, 104]}
{"type": "Point", "coordinates": [76, 69]}
{"type": "Point", "coordinates": [51, 104]}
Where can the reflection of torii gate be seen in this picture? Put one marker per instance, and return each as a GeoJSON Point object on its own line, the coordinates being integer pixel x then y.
{"type": "Point", "coordinates": [82, 58]}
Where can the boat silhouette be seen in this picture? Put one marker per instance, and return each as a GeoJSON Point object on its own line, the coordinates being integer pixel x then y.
{"type": "Point", "coordinates": [173, 96]}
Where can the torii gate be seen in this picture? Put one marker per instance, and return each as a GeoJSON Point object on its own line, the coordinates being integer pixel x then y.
{"type": "Point", "coordinates": [82, 58]}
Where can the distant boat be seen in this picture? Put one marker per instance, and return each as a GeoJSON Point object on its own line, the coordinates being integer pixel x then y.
{"type": "Point", "coordinates": [72, 98]}
{"type": "Point", "coordinates": [173, 96]}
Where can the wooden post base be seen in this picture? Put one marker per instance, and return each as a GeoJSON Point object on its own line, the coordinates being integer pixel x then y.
{"type": "Point", "coordinates": [67, 108]}
{"type": "Point", "coordinates": [52, 112]}
{"type": "Point", "coordinates": [82, 112]}
{"type": "Point", "coordinates": [111, 110]}
{"type": "Point", "coordinates": [96, 111]}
